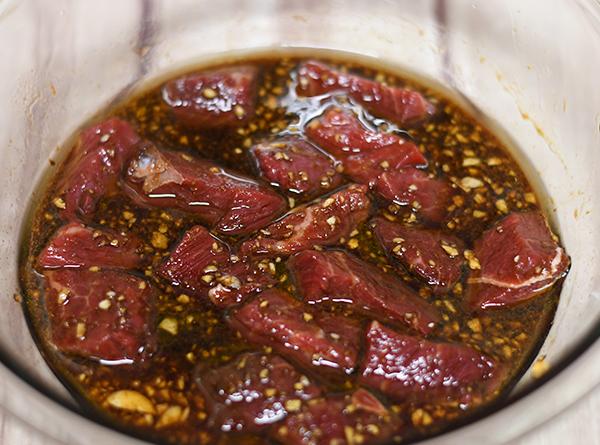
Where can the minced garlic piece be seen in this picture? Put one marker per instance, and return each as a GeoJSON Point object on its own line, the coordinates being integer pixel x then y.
{"type": "Point", "coordinates": [539, 367]}
{"type": "Point", "coordinates": [468, 183]}
{"type": "Point", "coordinates": [159, 241]}
{"type": "Point", "coordinates": [450, 250]}
{"type": "Point", "coordinates": [170, 325]}
{"type": "Point", "coordinates": [59, 203]}
{"type": "Point", "coordinates": [293, 405]}
{"type": "Point", "coordinates": [130, 400]}
{"type": "Point", "coordinates": [472, 259]}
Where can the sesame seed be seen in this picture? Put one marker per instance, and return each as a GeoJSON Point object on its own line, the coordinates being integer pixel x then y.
{"type": "Point", "coordinates": [104, 304]}
{"type": "Point", "coordinates": [328, 202]}
{"type": "Point", "coordinates": [293, 405]}
{"type": "Point", "coordinates": [207, 278]}
{"type": "Point", "coordinates": [209, 93]}
{"type": "Point", "coordinates": [62, 296]}
{"type": "Point", "coordinates": [80, 330]}
{"type": "Point", "coordinates": [183, 299]}
{"type": "Point", "coordinates": [270, 392]}
{"type": "Point", "coordinates": [239, 111]}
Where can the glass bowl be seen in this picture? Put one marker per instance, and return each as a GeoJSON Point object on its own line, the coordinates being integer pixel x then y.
{"type": "Point", "coordinates": [530, 68]}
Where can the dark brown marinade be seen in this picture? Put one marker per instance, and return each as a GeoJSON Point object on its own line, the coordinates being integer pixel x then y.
{"type": "Point", "coordinates": [457, 147]}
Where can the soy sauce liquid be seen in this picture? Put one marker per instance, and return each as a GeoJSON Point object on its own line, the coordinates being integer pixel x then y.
{"type": "Point", "coordinates": [456, 145]}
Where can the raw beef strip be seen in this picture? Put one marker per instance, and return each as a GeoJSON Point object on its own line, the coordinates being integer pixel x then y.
{"type": "Point", "coordinates": [365, 154]}
{"type": "Point", "coordinates": [94, 166]}
{"type": "Point", "coordinates": [204, 265]}
{"type": "Point", "coordinates": [519, 258]}
{"type": "Point", "coordinates": [429, 197]}
{"type": "Point", "coordinates": [101, 315]}
{"type": "Point", "coordinates": [296, 167]}
{"type": "Point", "coordinates": [408, 368]}
{"type": "Point", "coordinates": [399, 105]}
{"type": "Point", "coordinates": [75, 245]}
{"type": "Point", "coordinates": [322, 223]}
{"type": "Point", "coordinates": [233, 204]}
{"type": "Point", "coordinates": [213, 99]}
{"type": "Point", "coordinates": [339, 277]}
{"type": "Point", "coordinates": [320, 343]}
{"type": "Point", "coordinates": [253, 391]}
{"type": "Point", "coordinates": [436, 257]}
{"type": "Point", "coordinates": [345, 419]}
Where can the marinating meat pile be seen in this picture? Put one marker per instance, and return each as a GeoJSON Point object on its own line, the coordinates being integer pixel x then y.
{"type": "Point", "coordinates": [321, 288]}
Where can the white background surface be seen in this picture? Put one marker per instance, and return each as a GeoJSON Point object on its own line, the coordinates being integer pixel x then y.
{"type": "Point", "coordinates": [580, 425]}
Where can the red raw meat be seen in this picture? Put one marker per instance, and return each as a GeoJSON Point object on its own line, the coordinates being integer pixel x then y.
{"type": "Point", "coordinates": [103, 315]}
{"type": "Point", "coordinates": [365, 154]}
{"type": "Point", "coordinates": [339, 277]}
{"type": "Point", "coordinates": [345, 419]}
{"type": "Point", "coordinates": [94, 166]}
{"type": "Point", "coordinates": [323, 343]}
{"type": "Point", "coordinates": [204, 265]}
{"type": "Point", "coordinates": [213, 99]}
{"type": "Point", "coordinates": [75, 245]}
{"type": "Point", "coordinates": [252, 392]}
{"type": "Point", "coordinates": [233, 204]}
{"type": "Point", "coordinates": [297, 167]}
{"type": "Point", "coordinates": [408, 368]}
{"type": "Point", "coordinates": [429, 197]}
{"type": "Point", "coordinates": [399, 105]}
{"type": "Point", "coordinates": [436, 257]}
{"type": "Point", "coordinates": [322, 223]}
{"type": "Point", "coordinates": [519, 258]}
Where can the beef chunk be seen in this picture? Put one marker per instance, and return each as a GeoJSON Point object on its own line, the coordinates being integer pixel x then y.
{"type": "Point", "coordinates": [297, 167]}
{"type": "Point", "coordinates": [213, 99]}
{"type": "Point", "coordinates": [429, 197]}
{"type": "Point", "coordinates": [399, 105]}
{"type": "Point", "coordinates": [341, 278]}
{"type": "Point", "coordinates": [345, 419]}
{"type": "Point", "coordinates": [519, 258]}
{"type": "Point", "coordinates": [407, 368]}
{"type": "Point", "coordinates": [233, 204]}
{"type": "Point", "coordinates": [365, 153]}
{"type": "Point", "coordinates": [323, 343]}
{"type": "Point", "coordinates": [322, 223]}
{"type": "Point", "coordinates": [253, 392]}
{"type": "Point", "coordinates": [93, 167]}
{"type": "Point", "coordinates": [434, 256]}
{"type": "Point", "coordinates": [101, 315]}
{"type": "Point", "coordinates": [75, 245]}
{"type": "Point", "coordinates": [204, 265]}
